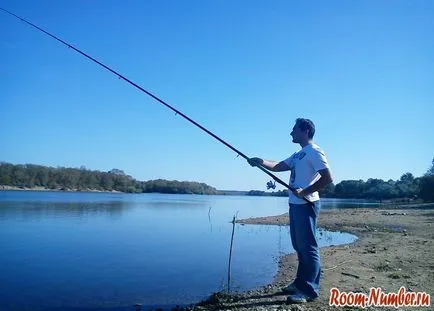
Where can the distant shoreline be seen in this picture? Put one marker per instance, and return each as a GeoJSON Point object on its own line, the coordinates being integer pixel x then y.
{"type": "Point", "coordinates": [386, 204]}
{"type": "Point", "coordinates": [15, 188]}
{"type": "Point", "coordinates": [39, 188]}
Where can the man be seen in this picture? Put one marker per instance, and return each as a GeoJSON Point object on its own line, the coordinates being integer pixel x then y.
{"type": "Point", "coordinates": [310, 172]}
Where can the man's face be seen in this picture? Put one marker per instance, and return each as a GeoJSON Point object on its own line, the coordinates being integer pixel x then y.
{"type": "Point", "coordinates": [297, 134]}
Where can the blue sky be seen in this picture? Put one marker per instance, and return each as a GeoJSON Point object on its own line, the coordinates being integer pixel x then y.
{"type": "Point", "coordinates": [363, 71]}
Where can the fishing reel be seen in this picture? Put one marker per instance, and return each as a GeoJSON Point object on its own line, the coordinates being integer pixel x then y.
{"type": "Point", "coordinates": [271, 185]}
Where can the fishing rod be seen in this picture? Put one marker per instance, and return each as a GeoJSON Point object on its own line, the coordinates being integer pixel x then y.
{"type": "Point", "coordinates": [239, 153]}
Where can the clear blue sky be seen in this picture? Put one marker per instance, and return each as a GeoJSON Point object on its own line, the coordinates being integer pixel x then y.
{"type": "Point", "coordinates": [363, 71]}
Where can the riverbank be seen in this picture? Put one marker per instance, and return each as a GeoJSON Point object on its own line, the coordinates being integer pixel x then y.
{"type": "Point", "coordinates": [394, 249]}
{"type": "Point", "coordinates": [14, 188]}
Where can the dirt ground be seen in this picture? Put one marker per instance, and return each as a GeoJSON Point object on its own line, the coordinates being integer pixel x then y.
{"type": "Point", "coordinates": [394, 249]}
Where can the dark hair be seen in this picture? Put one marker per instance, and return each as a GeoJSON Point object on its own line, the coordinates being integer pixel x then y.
{"type": "Point", "coordinates": [306, 125]}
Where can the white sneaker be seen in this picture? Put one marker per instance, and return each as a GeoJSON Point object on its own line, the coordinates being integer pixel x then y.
{"type": "Point", "coordinates": [298, 298]}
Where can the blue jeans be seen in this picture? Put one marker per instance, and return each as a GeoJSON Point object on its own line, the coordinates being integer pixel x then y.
{"type": "Point", "coordinates": [303, 237]}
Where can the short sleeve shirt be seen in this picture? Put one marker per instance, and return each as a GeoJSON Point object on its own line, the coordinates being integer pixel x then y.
{"type": "Point", "coordinates": [304, 166]}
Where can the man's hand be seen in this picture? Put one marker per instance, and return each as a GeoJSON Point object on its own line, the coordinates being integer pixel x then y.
{"type": "Point", "coordinates": [299, 193]}
{"type": "Point", "coordinates": [255, 161]}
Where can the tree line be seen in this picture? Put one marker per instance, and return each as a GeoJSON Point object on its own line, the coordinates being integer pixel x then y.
{"type": "Point", "coordinates": [82, 179]}
{"type": "Point", "coordinates": [407, 187]}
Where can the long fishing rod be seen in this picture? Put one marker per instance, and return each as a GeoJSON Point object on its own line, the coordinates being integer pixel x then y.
{"type": "Point", "coordinates": [153, 96]}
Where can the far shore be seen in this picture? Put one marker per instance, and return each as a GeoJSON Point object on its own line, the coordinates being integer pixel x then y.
{"type": "Point", "coordinates": [14, 188]}
{"type": "Point", "coordinates": [399, 203]}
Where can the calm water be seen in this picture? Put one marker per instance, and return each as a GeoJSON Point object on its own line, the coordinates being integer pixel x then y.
{"type": "Point", "coordinates": [93, 251]}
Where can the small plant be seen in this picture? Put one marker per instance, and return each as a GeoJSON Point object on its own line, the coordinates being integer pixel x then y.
{"type": "Point", "coordinates": [384, 266]}
{"type": "Point", "coordinates": [394, 276]}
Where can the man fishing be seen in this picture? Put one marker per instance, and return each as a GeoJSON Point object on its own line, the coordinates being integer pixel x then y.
{"type": "Point", "coordinates": [310, 172]}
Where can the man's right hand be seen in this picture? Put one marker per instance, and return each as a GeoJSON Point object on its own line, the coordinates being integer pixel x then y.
{"type": "Point", "coordinates": [255, 161]}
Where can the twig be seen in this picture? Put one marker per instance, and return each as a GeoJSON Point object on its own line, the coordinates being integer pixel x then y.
{"type": "Point", "coordinates": [230, 254]}
{"type": "Point", "coordinates": [349, 274]}
{"type": "Point", "coordinates": [334, 267]}
{"type": "Point", "coordinates": [209, 218]}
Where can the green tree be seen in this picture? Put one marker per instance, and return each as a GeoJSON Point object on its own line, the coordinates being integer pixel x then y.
{"type": "Point", "coordinates": [350, 189]}
{"type": "Point", "coordinates": [426, 188]}
{"type": "Point", "coordinates": [328, 191]}
{"type": "Point", "coordinates": [107, 181]}
{"type": "Point", "coordinates": [431, 169]}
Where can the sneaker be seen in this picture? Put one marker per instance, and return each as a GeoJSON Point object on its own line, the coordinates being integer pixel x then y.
{"type": "Point", "coordinates": [299, 298]}
{"type": "Point", "coordinates": [290, 289]}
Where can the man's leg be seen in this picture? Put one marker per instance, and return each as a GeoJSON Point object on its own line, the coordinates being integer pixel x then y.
{"type": "Point", "coordinates": [293, 234]}
{"type": "Point", "coordinates": [309, 268]}
{"type": "Point", "coordinates": [291, 288]}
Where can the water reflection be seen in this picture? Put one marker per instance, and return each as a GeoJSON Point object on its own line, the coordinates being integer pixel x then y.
{"type": "Point", "coordinates": [37, 210]}
{"type": "Point", "coordinates": [65, 204]}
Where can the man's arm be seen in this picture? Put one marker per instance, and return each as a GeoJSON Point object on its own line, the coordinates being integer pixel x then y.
{"type": "Point", "coordinates": [269, 165]}
{"type": "Point", "coordinates": [324, 180]}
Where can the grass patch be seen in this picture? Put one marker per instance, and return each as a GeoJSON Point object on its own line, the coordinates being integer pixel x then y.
{"type": "Point", "coordinates": [394, 276]}
{"type": "Point", "coordinates": [383, 267]}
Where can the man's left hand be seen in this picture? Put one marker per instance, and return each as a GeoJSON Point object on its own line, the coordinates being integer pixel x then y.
{"type": "Point", "coordinates": [299, 193]}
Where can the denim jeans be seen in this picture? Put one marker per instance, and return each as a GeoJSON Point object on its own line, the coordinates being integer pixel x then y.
{"type": "Point", "coordinates": [303, 237]}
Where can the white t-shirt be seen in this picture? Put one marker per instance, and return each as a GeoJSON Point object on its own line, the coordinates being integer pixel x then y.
{"type": "Point", "coordinates": [304, 166]}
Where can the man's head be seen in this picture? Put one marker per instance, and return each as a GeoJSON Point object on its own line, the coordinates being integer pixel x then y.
{"type": "Point", "coordinates": [303, 131]}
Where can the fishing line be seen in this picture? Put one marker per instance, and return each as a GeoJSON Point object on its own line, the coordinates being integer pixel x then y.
{"type": "Point", "coordinates": [239, 153]}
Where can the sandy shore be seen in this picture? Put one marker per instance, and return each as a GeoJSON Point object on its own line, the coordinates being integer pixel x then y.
{"type": "Point", "coordinates": [394, 249]}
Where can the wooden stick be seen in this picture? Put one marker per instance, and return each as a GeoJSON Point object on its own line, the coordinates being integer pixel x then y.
{"type": "Point", "coordinates": [334, 267]}
{"type": "Point", "coordinates": [349, 274]}
{"type": "Point", "coordinates": [230, 254]}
